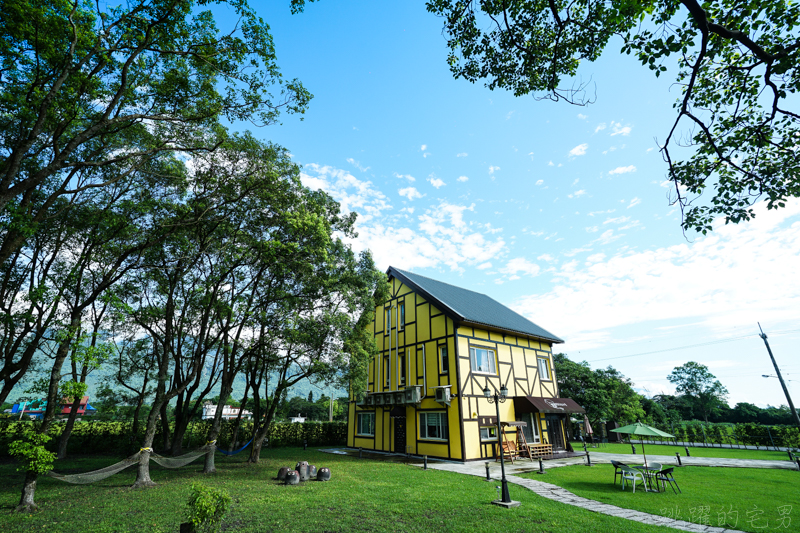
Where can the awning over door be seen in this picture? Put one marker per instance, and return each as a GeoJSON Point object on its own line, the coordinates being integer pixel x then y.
{"type": "Point", "coordinates": [538, 404]}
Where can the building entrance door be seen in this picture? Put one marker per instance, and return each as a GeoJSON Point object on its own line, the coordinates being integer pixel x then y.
{"type": "Point", "coordinates": [554, 432]}
{"type": "Point", "coordinates": [400, 435]}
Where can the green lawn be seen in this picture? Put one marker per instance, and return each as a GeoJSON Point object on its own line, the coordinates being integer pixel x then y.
{"type": "Point", "coordinates": [658, 449]}
{"type": "Point", "coordinates": [740, 498]}
{"type": "Point", "coordinates": [363, 495]}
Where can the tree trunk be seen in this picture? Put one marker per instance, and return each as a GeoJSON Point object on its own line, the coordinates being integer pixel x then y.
{"type": "Point", "coordinates": [164, 427]}
{"type": "Point", "coordinates": [181, 425]}
{"type": "Point", "coordinates": [143, 480]}
{"type": "Point", "coordinates": [64, 440]}
{"type": "Point", "coordinates": [26, 503]}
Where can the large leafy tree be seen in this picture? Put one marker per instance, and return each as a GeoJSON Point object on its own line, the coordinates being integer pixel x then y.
{"type": "Point", "coordinates": [700, 387]}
{"type": "Point", "coordinates": [86, 85]}
{"type": "Point", "coordinates": [736, 63]}
{"type": "Point", "coordinates": [605, 393]}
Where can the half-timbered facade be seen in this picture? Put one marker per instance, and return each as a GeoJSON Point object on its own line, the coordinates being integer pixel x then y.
{"type": "Point", "coordinates": [439, 347]}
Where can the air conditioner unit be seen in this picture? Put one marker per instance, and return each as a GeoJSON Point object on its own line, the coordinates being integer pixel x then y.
{"type": "Point", "coordinates": [413, 394]}
{"type": "Point", "coordinates": [369, 399]}
{"type": "Point", "coordinates": [442, 395]}
{"type": "Point", "coordinates": [399, 397]}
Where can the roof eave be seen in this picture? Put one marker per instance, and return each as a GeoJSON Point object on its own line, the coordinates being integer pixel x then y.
{"type": "Point", "coordinates": [491, 327]}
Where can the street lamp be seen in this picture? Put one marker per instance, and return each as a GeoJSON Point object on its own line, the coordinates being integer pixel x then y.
{"type": "Point", "coordinates": [498, 398]}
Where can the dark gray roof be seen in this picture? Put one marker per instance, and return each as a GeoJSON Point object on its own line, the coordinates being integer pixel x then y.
{"type": "Point", "coordinates": [469, 306]}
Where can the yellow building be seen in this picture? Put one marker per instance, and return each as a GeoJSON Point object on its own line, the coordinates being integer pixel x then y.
{"type": "Point", "coordinates": [440, 347]}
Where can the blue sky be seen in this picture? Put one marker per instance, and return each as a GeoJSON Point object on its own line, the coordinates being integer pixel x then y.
{"type": "Point", "coordinates": [558, 211]}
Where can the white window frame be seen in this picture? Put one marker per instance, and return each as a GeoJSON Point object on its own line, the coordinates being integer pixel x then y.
{"type": "Point", "coordinates": [387, 321]}
{"type": "Point", "coordinates": [544, 364]}
{"type": "Point", "coordinates": [402, 370]}
{"type": "Point", "coordinates": [401, 319]}
{"type": "Point", "coordinates": [443, 360]}
{"type": "Point", "coordinates": [488, 430]}
{"type": "Point", "coordinates": [371, 425]}
{"type": "Point", "coordinates": [440, 422]}
{"type": "Point", "coordinates": [491, 359]}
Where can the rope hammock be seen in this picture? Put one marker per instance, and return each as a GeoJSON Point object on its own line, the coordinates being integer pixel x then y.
{"type": "Point", "coordinates": [220, 450]}
{"type": "Point", "coordinates": [103, 473]}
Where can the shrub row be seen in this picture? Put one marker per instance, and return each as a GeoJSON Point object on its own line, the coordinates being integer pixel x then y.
{"type": "Point", "coordinates": [89, 437]}
{"type": "Point", "coordinates": [750, 434]}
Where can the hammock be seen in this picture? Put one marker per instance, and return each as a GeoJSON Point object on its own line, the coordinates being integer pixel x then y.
{"type": "Point", "coordinates": [103, 473]}
{"type": "Point", "coordinates": [97, 475]}
{"type": "Point", "coordinates": [220, 450]}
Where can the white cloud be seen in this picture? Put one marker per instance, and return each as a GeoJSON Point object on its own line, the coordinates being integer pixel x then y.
{"type": "Point", "coordinates": [493, 169]}
{"type": "Point", "coordinates": [405, 177]}
{"type": "Point", "coordinates": [423, 147]}
{"type": "Point", "coordinates": [520, 265]}
{"type": "Point", "coordinates": [635, 201]}
{"type": "Point", "coordinates": [698, 281]}
{"type": "Point", "coordinates": [582, 116]}
{"type": "Point", "coordinates": [410, 193]}
{"type": "Point", "coordinates": [622, 170]}
{"type": "Point", "coordinates": [436, 182]}
{"type": "Point", "coordinates": [539, 182]}
{"type": "Point", "coordinates": [357, 164]}
{"type": "Point", "coordinates": [484, 266]}
{"type": "Point", "coordinates": [577, 194]}
{"type": "Point", "coordinates": [619, 129]}
{"type": "Point", "coordinates": [462, 154]}
{"type": "Point", "coordinates": [593, 213]}
{"type": "Point", "coordinates": [550, 164]}
{"type": "Point", "coordinates": [600, 127]}
{"type": "Point", "coordinates": [579, 150]}
{"type": "Point", "coordinates": [592, 229]}
{"type": "Point", "coordinates": [462, 179]}
{"type": "Point", "coordinates": [546, 257]}
{"type": "Point", "coordinates": [617, 220]}
{"type": "Point", "coordinates": [575, 182]}
{"type": "Point", "coordinates": [353, 194]}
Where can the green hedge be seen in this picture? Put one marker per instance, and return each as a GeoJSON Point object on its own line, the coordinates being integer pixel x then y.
{"type": "Point", "coordinates": [90, 437]}
{"type": "Point", "coordinates": [696, 433]}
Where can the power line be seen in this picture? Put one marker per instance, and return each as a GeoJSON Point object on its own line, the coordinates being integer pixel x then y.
{"type": "Point", "coordinates": [709, 343]}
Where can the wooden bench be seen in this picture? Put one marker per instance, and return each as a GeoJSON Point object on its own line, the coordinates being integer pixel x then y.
{"type": "Point", "coordinates": [509, 451]}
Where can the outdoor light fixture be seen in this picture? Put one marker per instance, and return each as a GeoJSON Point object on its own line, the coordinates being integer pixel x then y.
{"type": "Point", "coordinates": [497, 398]}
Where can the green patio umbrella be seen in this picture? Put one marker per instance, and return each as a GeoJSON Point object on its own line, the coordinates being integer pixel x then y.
{"type": "Point", "coordinates": [642, 429]}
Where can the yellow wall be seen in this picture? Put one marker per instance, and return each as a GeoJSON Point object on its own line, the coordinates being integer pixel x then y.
{"type": "Point", "coordinates": [426, 329]}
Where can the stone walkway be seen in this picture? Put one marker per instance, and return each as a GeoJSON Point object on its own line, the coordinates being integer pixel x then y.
{"type": "Point", "coordinates": [556, 493]}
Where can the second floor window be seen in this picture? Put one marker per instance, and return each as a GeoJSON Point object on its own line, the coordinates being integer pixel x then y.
{"type": "Point", "coordinates": [388, 373]}
{"type": "Point", "coordinates": [402, 363]}
{"type": "Point", "coordinates": [401, 311]}
{"type": "Point", "coordinates": [544, 369]}
{"type": "Point", "coordinates": [444, 365]}
{"type": "Point", "coordinates": [482, 360]}
{"type": "Point", "coordinates": [387, 323]}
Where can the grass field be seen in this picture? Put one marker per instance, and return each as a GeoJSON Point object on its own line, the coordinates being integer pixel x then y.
{"type": "Point", "coordinates": [658, 449]}
{"type": "Point", "coordinates": [746, 499]}
{"type": "Point", "coordinates": [363, 495]}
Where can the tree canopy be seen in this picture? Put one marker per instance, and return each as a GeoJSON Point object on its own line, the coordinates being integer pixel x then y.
{"type": "Point", "coordinates": [736, 63]}
{"type": "Point", "coordinates": [700, 387]}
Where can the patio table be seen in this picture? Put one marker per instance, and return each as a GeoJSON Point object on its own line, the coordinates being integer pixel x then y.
{"type": "Point", "coordinates": [649, 475]}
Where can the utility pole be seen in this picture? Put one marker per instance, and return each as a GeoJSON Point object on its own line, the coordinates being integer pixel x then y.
{"type": "Point", "coordinates": [780, 378]}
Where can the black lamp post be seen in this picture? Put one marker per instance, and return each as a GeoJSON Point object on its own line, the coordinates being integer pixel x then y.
{"type": "Point", "coordinates": [498, 398]}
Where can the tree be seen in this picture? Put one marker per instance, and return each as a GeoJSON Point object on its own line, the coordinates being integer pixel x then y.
{"type": "Point", "coordinates": [86, 86]}
{"type": "Point", "coordinates": [700, 386]}
{"type": "Point", "coordinates": [736, 64]}
{"type": "Point", "coordinates": [605, 394]}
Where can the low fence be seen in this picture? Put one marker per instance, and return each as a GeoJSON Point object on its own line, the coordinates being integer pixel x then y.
{"type": "Point", "coordinates": [90, 437]}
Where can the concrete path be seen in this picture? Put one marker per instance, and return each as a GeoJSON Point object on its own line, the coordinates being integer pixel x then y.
{"type": "Point", "coordinates": [671, 460]}
{"type": "Point", "coordinates": [556, 493]}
